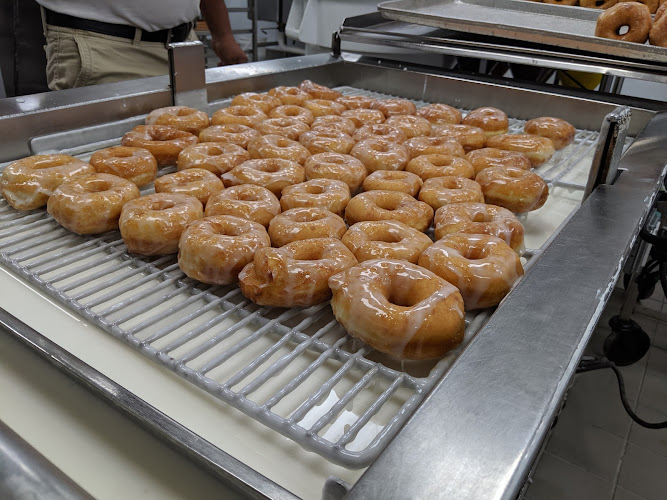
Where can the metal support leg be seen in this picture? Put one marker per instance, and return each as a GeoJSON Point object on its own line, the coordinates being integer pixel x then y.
{"type": "Point", "coordinates": [628, 342]}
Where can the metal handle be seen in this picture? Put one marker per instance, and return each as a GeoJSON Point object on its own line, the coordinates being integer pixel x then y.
{"type": "Point", "coordinates": [187, 74]}
{"type": "Point", "coordinates": [607, 155]}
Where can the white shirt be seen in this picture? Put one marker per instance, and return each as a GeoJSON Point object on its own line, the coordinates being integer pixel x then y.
{"type": "Point", "coordinates": [149, 15]}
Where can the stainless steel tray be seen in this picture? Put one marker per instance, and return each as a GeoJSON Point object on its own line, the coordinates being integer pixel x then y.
{"type": "Point", "coordinates": [557, 25]}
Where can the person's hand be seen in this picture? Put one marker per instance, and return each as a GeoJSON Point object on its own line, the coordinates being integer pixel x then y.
{"type": "Point", "coordinates": [228, 51]}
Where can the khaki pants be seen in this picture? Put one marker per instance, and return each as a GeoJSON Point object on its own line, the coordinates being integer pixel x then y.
{"type": "Point", "coordinates": [77, 58]}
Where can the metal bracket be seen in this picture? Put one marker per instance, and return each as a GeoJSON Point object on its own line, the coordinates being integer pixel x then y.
{"type": "Point", "coordinates": [187, 74]}
{"type": "Point", "coordinates": [335, 44]}
{"type": "Point", "coordinates": [335, 489]}
{"type": "Point", "coordinates": [609, 149]}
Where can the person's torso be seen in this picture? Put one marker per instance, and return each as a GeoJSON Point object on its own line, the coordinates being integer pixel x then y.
{"type": "Point", "coordinates": [149, 15]}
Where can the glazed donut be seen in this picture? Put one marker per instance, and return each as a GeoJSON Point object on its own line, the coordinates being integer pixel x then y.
{"type": "Point", "coordinates": [661, 11]}
{"type": "Point", "coordinates": [492, 121]}
{"type": "Point", "coordinates": [419, 146]}
{"type": "Point", "coordinates": [320, 140]}
{"type": "Point", "coordinates": [651, 4]}
{"type": "Point", "coordinates": [277, 146]}
{"type": "Point", "coordinates": [196, 182]}
{"type": "Point", "coordinates": [264, 102]}
{"type": "Point", "coordinates": [164, 142]}
{"type": "Point", "coordinates": [378, 154]}
{"type": "Point", "coordinates": [598, 4]}
{"type": "Point", "coordinates": [395, 106]}
{"type": "Point", "coordinates": [336, 166]}
{"type": "Point", "coordinates": [393, 180]}
{"type": "Point", "coordinates": [334, 122]}
{"type": "Point", "coordinates": [91, 203]}
{"type": "Point", "coordinates": [479, 218]}
{"type": "Point", "coordinates": [516, 189]}
{"type": "Point", "coordinates": [27, 183]}
{"type": "Point", "coordinates": [242, 115]}
{"type": "Point", "coordinates": [399, 308]}
{"type": "Point", "coordinates": [469, 137]}
{"type": "Point", "coordinates": [389, 205]}
{"type": "Point", "coordinates": [232, 133]}
{"type": "Point", "coordinates": [356, 101]}
{"type": "Point", "coordinates": [658, 34]}
{"type": "Point", "coordinates": [411, 125]}
{"type": "Point", "coordinates": [290, 95]}
{"type": "Point", "coordinates": [634, 15]}
{"type": "Point", "coordinates": [271, 173]}
{"type": "Point", "coordinates": [293, 111]}
{"type": "Point", "coordinates": [181, 117]}
{"type": "Point", "coordinates": [325, 193]}
{"type": "Point", "coordinates": [215, 249]}
{"type": "Point", "coordinates": [319, 91]}
{"type": "Point", "coordinates": [216, 157]}
{"type": "Point", "coordinates": [385, 239]}
{"type": "Point", "coordinates": [537, 149]}
{"type": "Point", "coordinates": [291, 128]}
{"type": "Point", "coordinates": [296, 274]}
{"type": "Point", "coordinates": [428, 166]}
{"type": "Point", "coordinates": [439, 191]}
{"type": "Point", "coordinates": [247, 201]}
{"type": "Point", "coordinates": [381, 131]}
{"type": "Point", "coordinates": [323, 107]}
{"type": "Point", "coordinates": [136, 165]}
{"type": "Point", "coordinates": [494, 157]}
{"type": "Point", "coordinates": [482, 267]}
{"type": "Point", "coordinates": [361, 116]}
{"type": "Point", "coordinates": [304, 224]}
{"type": "Point", "coordinates": [152, 224]}
{"type": "Point", "coordinates": [440, 114]}
{"type": "Point", "coordinates": [559, 131]}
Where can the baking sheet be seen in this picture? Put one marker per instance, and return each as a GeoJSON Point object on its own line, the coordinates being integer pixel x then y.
{"type": "Point", "coordinates": [558, 25]}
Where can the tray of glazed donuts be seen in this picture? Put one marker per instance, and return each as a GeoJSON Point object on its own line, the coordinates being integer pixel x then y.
{"type": "Point", "coordinates": [627, 29]}
{"type": "Point", "coordinates": [315, 257]}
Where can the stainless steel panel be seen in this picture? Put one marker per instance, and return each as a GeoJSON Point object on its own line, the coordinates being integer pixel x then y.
{"type": "Point", "coordinates": [25, 473]}
{"type": "Point", "coordinates": [249, 483]}
{"type": "Point", "coordinates": [479, 431]}
{"type": "Point", "coordinates": [558, 25]}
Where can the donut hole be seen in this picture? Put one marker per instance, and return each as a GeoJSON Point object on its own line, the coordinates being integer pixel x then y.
{"type": "Point", "coordinates": [247, 197]}
{"type": "Point", "coordinates": [310, 253]}
{"type": "Point", "coordinates": [283, 143]}
{"type": "Point", "coordinates": [443, 161]}
{"type": "Point", "coordinates": [599, 3]}
{"type": "Point", "coordinates": [405, 292]}
{"type": "Point", "coordinates": [226, 230]}
{"type": "Point", "coordinates": [475, 253]}
{"type": "Point", "coordinates": [387, 238]}
{"type": "Point", "coordinates": [271, 168]}
{"type": "Point", "coordinates": [243, 112]}
{"type": "Point", "coordinates": [308, 216]}
{"type": "Point", "coordinates": [379, 147]}
{"type": "Point", "coordinates": [98, 186]}
{"type": "Point", "coordinates": [314, 189]}
{"type": "Point", "coordinates": [387, 203]}
{"type": "Point", "coordinates": [185, 112]}
{"type": "Point", "coordinates": [622, 30]}
{"type": "Point", "coordinates": [122, 154]}
{"type": "Point", "coordinates": [161, 205]}
{"type": "Point", "coordinates": [515, 174]}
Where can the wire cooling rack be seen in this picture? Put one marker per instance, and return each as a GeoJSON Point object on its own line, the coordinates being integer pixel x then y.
{"type": "Point", "coordinates": [295, 370]}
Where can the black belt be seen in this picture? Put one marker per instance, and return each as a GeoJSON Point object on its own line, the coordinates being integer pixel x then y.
{"type": "Point", "coordinates": [176, 34]}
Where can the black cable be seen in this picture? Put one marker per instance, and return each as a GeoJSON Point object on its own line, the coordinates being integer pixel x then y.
{"type": "Point", "coordinates": [590, 364]}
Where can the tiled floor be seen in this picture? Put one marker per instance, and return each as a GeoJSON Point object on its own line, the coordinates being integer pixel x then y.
{"type": "Point", "coordinates": [596, 452]}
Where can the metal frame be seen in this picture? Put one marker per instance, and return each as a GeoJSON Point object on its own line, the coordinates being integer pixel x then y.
{"type": "Point", "coordinates": [519, 365]}
{"type": "Point", "coordinates": [374, 29]}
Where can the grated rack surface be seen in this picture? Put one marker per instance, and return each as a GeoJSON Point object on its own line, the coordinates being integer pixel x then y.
{"type": "Point", "coordinates": [294, 370]}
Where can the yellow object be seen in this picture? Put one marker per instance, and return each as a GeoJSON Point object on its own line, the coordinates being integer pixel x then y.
{"type": "Point", "coordinates": [579, 79]}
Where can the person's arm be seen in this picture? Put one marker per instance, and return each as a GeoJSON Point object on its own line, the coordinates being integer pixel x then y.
{"type": "Point", "coordinates": [224, 45]}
